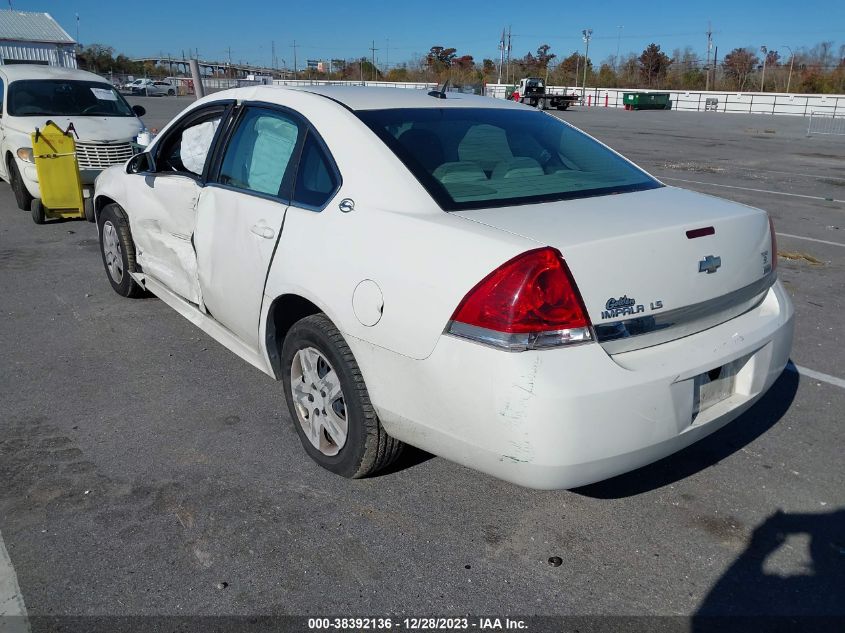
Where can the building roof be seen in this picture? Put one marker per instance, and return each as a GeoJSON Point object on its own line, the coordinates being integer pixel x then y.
{"type": "Point", "coordinates": [32, 27]}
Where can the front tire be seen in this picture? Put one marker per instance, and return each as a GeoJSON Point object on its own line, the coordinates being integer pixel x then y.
{"type": "Point", "coordinates": [88, 207]}
{"type": "Point", "coordinates": [39, 213]}
{"type": "Point", "coordinates": [22, 196]}
{"type": "Point", "coordinates": [118, 251]}
{"type": "Point", "coordinates": [329, 403]}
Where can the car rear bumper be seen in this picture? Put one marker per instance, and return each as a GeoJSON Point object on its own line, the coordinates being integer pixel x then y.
{"type": "Point", "coordinates": [567, 417]}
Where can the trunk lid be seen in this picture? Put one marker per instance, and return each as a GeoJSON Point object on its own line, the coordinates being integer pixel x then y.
{"type": "Point", "coordinates": [643, 280]}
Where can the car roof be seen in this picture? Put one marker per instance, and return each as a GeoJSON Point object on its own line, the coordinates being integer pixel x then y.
{"type": "Point", "coordinates": [381, 98]}
{"type": "Point", "coordinates": [369, 97]}
{"type": "Point", "coordinates": [13, 72]}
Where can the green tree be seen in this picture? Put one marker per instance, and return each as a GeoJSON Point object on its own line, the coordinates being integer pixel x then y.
{"type": "Point", "coordinates": [607, 77]}
{"type": "Point", "coordinates": [654, 64]}
{"type": "Point", "coordinates": [566, 70]}
{"type": "Point", "coordinates": [440, 58]}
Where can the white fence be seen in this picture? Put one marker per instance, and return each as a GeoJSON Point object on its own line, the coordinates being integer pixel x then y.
{"type": "Point", "coordinates": [689, 100]}
{"type": "Point", "coordinates": [737, 102]}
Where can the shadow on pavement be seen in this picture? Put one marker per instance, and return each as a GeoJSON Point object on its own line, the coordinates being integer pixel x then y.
{"type": "Point", "coordinates": [753, 598]}
{"type": "Point", "coordinates": [706, 452]}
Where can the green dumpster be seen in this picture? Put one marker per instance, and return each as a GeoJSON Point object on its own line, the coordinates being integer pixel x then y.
{"type": "Point", "coordinates": [646, 101]}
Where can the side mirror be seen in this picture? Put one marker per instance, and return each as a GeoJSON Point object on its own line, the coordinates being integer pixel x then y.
{"type": "Point", "coordinates": [140, 164]}
{"type": "Point", "coordinates": [139, 110]}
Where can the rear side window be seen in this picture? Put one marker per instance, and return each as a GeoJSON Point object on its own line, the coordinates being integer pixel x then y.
{"type": "Point", "coordinates": [316, 177]}
{"type": "Point", "coordinates": [258, 158]}
{"type": "Point", "coordinates": [471, 158]}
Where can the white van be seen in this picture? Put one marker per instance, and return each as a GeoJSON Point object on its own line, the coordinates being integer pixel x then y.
{"type": "Point", "coordinates": [106, 125]}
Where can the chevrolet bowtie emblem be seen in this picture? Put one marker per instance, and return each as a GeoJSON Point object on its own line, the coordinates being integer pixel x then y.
{"type": "Point", "coordinates": [709, 264]}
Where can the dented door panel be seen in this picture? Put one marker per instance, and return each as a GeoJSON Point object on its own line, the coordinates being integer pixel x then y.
{"type": "Point", "coordinates": [162, 223]}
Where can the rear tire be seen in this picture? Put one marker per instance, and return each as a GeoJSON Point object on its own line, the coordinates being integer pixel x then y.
{"type": "Point", "coordinates": [39, 213]}
{"type": "Point", "coordinates": [118, 251]}
{"type": "Point", "coordinates": [22, 195]}
{"type": "Point", "coordinates": [329, 403]}
{"type": "Point", "coordinates": [171, 93]}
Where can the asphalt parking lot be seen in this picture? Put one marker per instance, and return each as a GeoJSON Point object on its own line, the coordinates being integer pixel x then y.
{"type": "Point", "coordinates": [146, 470]}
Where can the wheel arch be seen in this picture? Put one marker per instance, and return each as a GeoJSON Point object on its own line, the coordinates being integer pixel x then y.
{"type": "Point", "coordinates": [100, 203]}
{"type": "Point", "coordinates": [284, 311]}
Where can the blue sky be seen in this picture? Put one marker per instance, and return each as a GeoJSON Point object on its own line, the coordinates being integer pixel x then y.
{"type": "Point", "coordinates": [331, 28]}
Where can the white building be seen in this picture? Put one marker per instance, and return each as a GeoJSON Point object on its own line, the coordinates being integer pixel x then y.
{"type": "Point", "coordinates": [34, 38]}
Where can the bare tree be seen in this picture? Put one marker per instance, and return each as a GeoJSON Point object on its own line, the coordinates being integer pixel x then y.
{"type": "Point", "coordinates": [739, 64]}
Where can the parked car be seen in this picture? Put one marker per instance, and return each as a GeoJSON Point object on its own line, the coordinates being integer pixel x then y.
{"type": "Point", "coordinates": [467, 275]}
{"type": "Point", "coordinates": [105, 125]}
{"type": "Point", "coordinates": [150, 88]}
{"type": "Point", "coordinates": [127, 87]}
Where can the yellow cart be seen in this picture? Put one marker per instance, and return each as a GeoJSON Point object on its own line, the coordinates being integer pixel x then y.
{"type": "Point", "coordinates": [54, 152]}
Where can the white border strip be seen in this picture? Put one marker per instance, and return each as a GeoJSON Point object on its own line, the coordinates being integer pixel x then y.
{"type": "Point", "coordinates": [811, 239]}
{"type": "Point", "coordinates": [776, 193]}
{"type": "Point", "coordinates": [816, 375]}
{"type": "Point", "coordinates": [12, 608]}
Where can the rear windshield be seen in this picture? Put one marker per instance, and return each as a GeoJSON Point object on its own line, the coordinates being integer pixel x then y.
{"type": "Point", "coordinates": [472, 158]}
{"type": "Point", "coordinates": [61, 97]}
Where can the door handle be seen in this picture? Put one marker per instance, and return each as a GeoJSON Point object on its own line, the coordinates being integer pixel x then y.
{"type": "Point", "coordinates": [262, 230]}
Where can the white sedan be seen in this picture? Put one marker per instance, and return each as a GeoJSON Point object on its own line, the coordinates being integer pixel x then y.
{"type": "Point", "coordinates": [463, 274]}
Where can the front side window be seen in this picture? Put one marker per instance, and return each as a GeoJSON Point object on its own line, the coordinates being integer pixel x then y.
{"type": "Point", "coordinates": [258, 157]}
{"type": "Point", "coordinates": [471, 158]}
{"type": "Point", "coordinates": [186, 150]}
{"type": "Point", "coordinates": [62, 97]}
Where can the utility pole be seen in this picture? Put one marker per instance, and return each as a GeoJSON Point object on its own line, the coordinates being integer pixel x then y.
{"type": "Point", "coordinates": [707, 65]}
{"type": "Point", "coordinates": [588, 34]}
{"type": "Point", "coordinates": [294, 59]}
{"type": "Point", "coordinates": [508, 68]}
{"type": "Point", "coordinates": [715, 64]}
{"type": "Point", "coordinates": [791, 61]}
{"type": "Point", "coordinates": [78, 45]}
{"type": "Point", "coordinates": [765, 52]}
{"type": "Point", "coordinates": [501, 55]}
{"type": "Point", "coordinates": [373, 49]}
{"type": "Point", "coordinates": [618, 43]}
{"type": "Point", "coordinates": [577, 68]}
{"type": "Point", "coordinates": [229, 69]}
{"type": "Point", "coordinates": [387, 57]}
{"type": "Point", "coordinates": [273, 54]}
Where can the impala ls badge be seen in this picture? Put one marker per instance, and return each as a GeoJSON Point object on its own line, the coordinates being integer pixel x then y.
{"type": "Point", "coordinates": [709, 264]}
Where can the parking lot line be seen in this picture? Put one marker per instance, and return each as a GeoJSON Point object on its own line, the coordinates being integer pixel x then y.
{"type": "Point", "coordinates": [777, 193]}
{"type": "Point", "coordinates": [816, 375]}
{"type": "Point", "coordinates": [811, 239]}
{"type": "Point", "coordinates": [12, 608]}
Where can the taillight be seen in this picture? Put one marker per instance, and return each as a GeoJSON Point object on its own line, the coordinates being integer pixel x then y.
{"type": "Point", "coordinates": [774, 253]}
{"type": "Point", "coordinates": [528, 302]}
